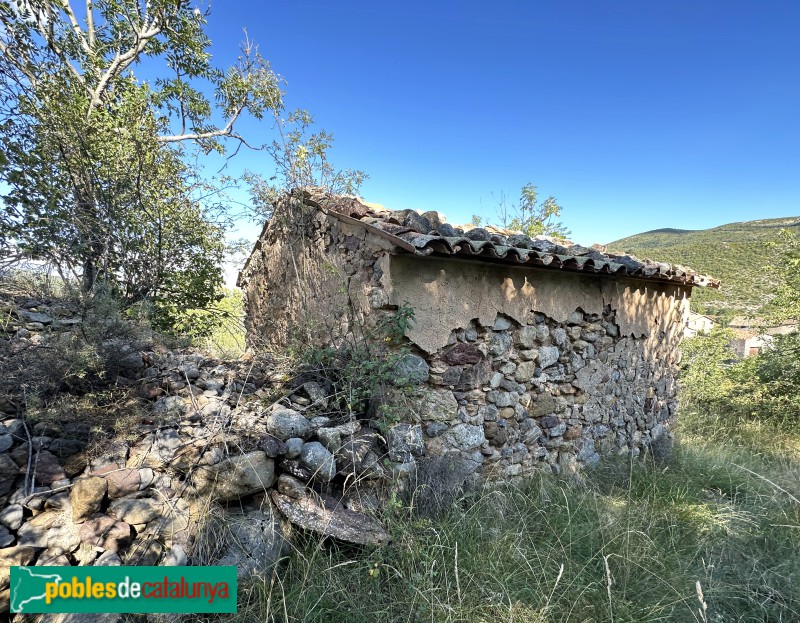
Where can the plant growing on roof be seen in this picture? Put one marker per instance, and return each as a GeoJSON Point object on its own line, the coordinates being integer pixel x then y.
{"type": "Point", "coordinates": [529, 215]}
{"type": "Point", "coordinates": [302, 160]}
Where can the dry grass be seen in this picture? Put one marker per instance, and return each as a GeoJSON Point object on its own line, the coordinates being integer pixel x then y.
{"type": "Point", "coordinates": [711, 537]}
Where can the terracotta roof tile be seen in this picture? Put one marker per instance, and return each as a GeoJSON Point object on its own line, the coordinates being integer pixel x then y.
{"type": "Point", "coordinates": [425, 234]}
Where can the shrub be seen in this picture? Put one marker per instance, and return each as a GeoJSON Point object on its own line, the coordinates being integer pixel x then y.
{"type": "Point", "coordinates": [764, 386]}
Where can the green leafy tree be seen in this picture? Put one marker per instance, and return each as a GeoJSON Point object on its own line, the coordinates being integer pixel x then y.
{"type": "Point", "coordinates": [529, 215]}
{"type": "Point", "coordinates": [95, 157]}
{"type": "Point", "coordinates": [705, 377]}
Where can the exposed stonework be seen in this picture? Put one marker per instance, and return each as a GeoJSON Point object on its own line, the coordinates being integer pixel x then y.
{"type": "Point", "coordinates": [525, 367]}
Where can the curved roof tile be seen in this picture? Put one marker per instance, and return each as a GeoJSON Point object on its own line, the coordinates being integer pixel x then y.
{"type": "Point", "coordinates": [481, 244]}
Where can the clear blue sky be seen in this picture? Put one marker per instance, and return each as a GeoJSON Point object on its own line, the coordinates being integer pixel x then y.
{"type": "Point", "coordinates": [635, 115]}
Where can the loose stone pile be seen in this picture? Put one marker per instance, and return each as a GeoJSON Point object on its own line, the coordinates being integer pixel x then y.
{"type": "Point", "coordinates": [207, 473]}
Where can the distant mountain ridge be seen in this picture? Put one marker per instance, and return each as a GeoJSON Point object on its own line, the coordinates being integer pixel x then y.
{"type": "Point", "coordinates": [736, 253]}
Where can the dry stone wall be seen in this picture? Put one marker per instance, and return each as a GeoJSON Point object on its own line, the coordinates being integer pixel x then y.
{"type": "Point", "coordinates": [513, 398]}
{"type": "Point", "coordinates": [311, 280]}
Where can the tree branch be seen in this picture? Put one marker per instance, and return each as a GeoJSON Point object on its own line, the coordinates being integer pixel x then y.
{"type": "Point", "coordinates": [90, 23]}
{"type": "Point", "coordinates": [76, 27]}
{"type": "Point", "coordinates": [23, 69]}
{"type": "Point", "coordinates": [200, 136]}
{"type": "Point", "coordinates": [121, 62]}
{"type": "Point", "coordinates": [45, 29]}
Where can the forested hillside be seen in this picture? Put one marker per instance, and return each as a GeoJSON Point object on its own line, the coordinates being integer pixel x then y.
{"type": "Point", "coordinates": [737, 253]}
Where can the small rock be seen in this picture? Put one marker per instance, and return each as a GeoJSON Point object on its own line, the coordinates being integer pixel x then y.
{"type": "Point", "coordinates": [330, 520]}
{"type": "Point", "coordinates": [6, 538]}
{"type": "Point", "coordinates": [319, 421]}
{"type": "Point", "coordinates": [52, 559]}
{"type": "Point", "coordinates": [169, 407]}
{"type": "Point", "coordinates": [35, 317]}
{"type": "Point", "coordinates": [466, 436]}
{"type": "Point", "coordinates": [122, 482]}
{"type": "Point", "coordinates": [6, 441]}
{"type": "Point", "coordinates": [176, 557]}
{"type": "Point", "coordinates": [575, 318]}
{"type": "Point", "coordinates": [316, 393]}
{"type": "Point", "coordinates": [146, 477]}
{"type": "Point", "coordinates": [63, 538]}
{"type": "Point", "coordinates": [108, 559]}
{"type": "Point", "coordinates": [237, 476]}
{"type": "Point", "coordinates": [462, 355]}
{"type": "Point", "coordinates": [253, 542]}
{"type": "Point", "coordinates": [501, 323]}
{"type": "Point", "coordinates": [85, 556]}
{"type": "Point", "coordinates": [12, 516]}
{"type": "Point", "coordinates": [145, 553]}
{"type": "Point", "coordinates": [63, 448]}
{"type": "Point", "coordinates": [319, 460]}
{"type": "Point", "coordinates": [405, 442]}
{"type": "Point", "coordinates": [548, 355]}
{"type": "Point", "coordinates": [167, 443]}
{"type": "Point", "coordinates": [272, 446]}
{"type": "Point", "coordinates": [499, 343]}
{"type": "Point", "coordinates": [59, 501]}
{"type": "Point", "coordinates": [293, 447]}
{"type": "Point", "coordinates": [411, 369]}
{"type": "Point", "coordinates": [47, 468]}
{"type": "Point", "coordinates": [435, 404]}
{"type": "Point", "coordinates": [291, 486]}
{"type": "Point", "coordinates": [526, 337]}
{"type": "Point", "coordinates": [135, 510]}
{"type": "Point", "coordinates": [524, 371]}
{"type": "Point", "coordinates": [331, 438]}
{"type": "Point", "coordinates": [106, 532]}
{"type": "Point", "coordinates": [287, 423]}
{"type": "Point", "coordinates": [573, 432]}
{"type": "Point", "coordinates": [86, 497]}
{"type": "Point", "coordinates": [34, 532]}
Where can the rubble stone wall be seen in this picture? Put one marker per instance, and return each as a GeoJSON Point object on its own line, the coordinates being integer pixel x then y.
{"type": "Point", "coordinates": [310, 278]}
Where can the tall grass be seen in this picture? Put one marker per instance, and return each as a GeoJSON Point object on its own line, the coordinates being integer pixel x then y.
{"type": "Point", "coordinates": [714, 535]}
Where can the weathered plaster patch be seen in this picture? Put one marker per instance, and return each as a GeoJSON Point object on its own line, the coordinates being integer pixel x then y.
{"type": "Point", "coordinates": [447, 294]}
{"type": "Point", "coordinates": [644, 308]}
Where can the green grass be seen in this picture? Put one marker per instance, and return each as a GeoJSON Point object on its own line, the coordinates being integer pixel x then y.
{"type": "Point", "coordinates": [735, 253]}
{"type": "Point", "coordinates": [712, 536]}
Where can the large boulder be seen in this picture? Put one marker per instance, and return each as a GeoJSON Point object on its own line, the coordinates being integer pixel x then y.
{"type": "Point", "coordinates": [330, 518]}
{"type": "Point", "coordinates": [252, 541]}
{"type": "Point", "coordinates": [236, 477]}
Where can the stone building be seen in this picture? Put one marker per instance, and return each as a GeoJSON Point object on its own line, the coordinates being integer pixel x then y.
{"type": "Point", "coordinates": [528, 353]}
